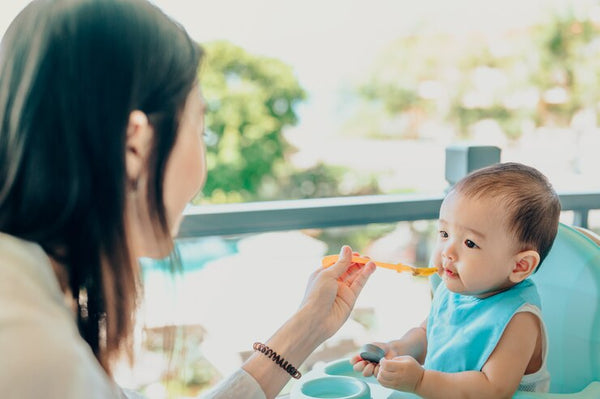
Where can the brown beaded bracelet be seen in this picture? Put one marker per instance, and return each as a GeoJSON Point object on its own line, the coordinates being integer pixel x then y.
{"type": "Point", "coordinates": [280, 361]}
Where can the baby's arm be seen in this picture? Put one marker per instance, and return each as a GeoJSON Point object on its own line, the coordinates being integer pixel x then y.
{"type": "Point", "coordinates": [413, 343]}
{"type": "Point", "coordinates": [499, 378]}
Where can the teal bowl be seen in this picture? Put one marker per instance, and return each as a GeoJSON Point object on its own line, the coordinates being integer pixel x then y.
{"type": "Point", "coordinates": [337, 387]}
{"type": "Point", "coordinates": [343, 368]}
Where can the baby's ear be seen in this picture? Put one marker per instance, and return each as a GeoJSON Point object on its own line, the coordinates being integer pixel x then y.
{"type": "Point", "coordinates": [524, 266]}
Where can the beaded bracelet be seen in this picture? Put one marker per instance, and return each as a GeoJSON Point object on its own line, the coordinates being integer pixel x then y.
{"type": "Point", "coordinates": [280, 361]}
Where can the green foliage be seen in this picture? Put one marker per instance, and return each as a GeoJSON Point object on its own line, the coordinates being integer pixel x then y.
{"type": "Point", "coordinates": [395, 99]}
{"type": "Point", "coordinates": [317, 182]}
{"type": "Point", "coordinates": [569, 60]}
{"type": "Point", "coordinates": [541, 76]}
{"type": "Point", "coordinates": [393, 85]}
{"type": "Point", "coordinates": [250, 100]}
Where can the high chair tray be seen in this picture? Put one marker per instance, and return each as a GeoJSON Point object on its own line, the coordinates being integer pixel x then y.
{"type": "Point", "coordinates": [337, 379]}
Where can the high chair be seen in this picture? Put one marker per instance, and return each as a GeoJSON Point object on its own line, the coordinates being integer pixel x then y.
{"type": "Point", "coordinates": [569, 285]}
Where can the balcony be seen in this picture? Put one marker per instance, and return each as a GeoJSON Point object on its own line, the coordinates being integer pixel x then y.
{"type": "Point", "coordinates": [246, 266]}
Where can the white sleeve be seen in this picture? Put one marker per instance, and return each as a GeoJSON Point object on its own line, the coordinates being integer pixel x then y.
{"type": "Point", "coordinates": [42, 354]}
{"type": "Point", "coordinates": [129, 394]}
{"type": "Point", "coordinates": [39, 362]}
{"type": "Point", "coordinates": [239, 385]}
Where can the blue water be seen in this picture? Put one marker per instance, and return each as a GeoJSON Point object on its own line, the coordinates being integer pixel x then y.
{"type": "Point", "coordinates": [194, 253]}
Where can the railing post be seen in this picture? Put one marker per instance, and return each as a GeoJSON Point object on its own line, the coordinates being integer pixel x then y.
{"type": "Point", "coordinates": [463, 159]}
{"type": "Point", "coordinates": [580, 218]}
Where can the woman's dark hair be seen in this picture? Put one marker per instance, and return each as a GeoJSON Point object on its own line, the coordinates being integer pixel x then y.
{"type": "Point", "coordinates": [71, 72]}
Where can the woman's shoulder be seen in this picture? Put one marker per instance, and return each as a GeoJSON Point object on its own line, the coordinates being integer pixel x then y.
{"type": "Point", "coordinates": [29, 290]}
{"type": "Point", "coordinates": [43, 354]}
{"type": "Point", "coordinates": [41, 358]}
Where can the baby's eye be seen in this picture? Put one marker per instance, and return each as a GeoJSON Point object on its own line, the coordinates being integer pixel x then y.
{"type": "Point", "coordinates": [471, 244]}
{"type": "Point", "coordinates": [443, 234]}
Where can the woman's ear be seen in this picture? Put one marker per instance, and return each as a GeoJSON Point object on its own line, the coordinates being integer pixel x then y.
{"type": "Point", "coordinates": [525, 264]}
{"type": "Point", "coordinates": [138, 145]}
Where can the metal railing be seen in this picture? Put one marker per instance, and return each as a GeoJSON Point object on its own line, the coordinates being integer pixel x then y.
{"type": "Point", "coordinates": [254, 217]}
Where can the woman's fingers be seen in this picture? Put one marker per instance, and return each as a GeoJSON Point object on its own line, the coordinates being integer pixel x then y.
{"type": "Point", "coordinates": [353, 275]}
{"type": "Point", "coordinates": [350, 274]}
{"type": "Point", "coordinates": [359, 279]}
{"type": "Point", "coordinates": [344, 261]}
{"type": "Point", "coordinates": [346, 273]}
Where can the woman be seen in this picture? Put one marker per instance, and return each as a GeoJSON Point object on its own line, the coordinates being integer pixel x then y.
{"type": "Point", "coordinates": [100, 150]}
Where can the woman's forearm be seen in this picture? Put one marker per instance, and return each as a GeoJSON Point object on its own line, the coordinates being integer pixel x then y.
{"type": "Point", "coordinates": [294, 341]}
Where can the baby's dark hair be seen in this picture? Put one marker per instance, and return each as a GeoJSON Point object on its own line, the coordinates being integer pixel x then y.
{"type": "Point", "coordinates": [532, 205]}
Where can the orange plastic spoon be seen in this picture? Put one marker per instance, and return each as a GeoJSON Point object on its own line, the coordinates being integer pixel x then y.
{"type": "Point", "coordinates": [399, 267]}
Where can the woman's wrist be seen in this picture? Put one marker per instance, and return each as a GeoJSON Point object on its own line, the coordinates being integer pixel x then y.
{"type": "Point", "coordinates": [294, 342]}
{"type": "Point", "coordinates": [298, 337]}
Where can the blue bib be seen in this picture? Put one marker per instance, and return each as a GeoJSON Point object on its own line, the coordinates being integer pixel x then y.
{"type": "Point", "coordinates": [462, 330]}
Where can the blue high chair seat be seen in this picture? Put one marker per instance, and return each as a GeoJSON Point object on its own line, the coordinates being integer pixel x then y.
{"type": "Point", "coordinates": [568, 282]}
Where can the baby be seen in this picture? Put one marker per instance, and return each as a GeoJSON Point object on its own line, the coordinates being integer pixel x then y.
{"type": "Point", "coordinates": [484, 336]}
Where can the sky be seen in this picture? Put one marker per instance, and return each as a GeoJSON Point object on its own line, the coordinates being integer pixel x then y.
{"type": "Point", "coordinates": [332, 42]}
{"type": "Point", "coordinates": [292, 29]}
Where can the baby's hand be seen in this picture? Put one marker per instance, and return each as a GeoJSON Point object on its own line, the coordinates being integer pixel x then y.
{"type": "Point", "coordinates": [366, 367]}
{"type": "Point", "coordinates": [402, 373]}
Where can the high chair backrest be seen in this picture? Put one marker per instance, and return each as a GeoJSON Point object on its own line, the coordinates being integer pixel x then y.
{"type": "Point", "coordinates": [568, 282]}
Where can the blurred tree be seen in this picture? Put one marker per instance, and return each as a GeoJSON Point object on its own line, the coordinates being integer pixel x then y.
{"type": "Point", "coordinates": [250, 100]}
{"type": "Point", "coordinates": [319, 181]}
{"type": "Point", "coordinates": [400, 92]}
{"type": "Point", "coordinates": [540, 76]}
{"type": "Point", "coordinates": [567, 68]}
{"type": "Point", "coordinates": [495, 86]}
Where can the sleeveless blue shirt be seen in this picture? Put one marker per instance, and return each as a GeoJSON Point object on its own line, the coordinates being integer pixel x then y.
{"type": "Point", "coordinates": [462, 330]}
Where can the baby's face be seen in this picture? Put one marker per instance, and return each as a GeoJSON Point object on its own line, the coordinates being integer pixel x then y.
{"type": "Point", "coordinates": [474, 252]}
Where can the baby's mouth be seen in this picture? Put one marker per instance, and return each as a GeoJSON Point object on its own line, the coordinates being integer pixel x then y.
{"type": "Point", "coordinates": [449, 272]}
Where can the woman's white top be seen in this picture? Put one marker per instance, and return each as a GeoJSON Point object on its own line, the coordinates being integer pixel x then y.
{"type": "Point", "coordinates": [42, 354]}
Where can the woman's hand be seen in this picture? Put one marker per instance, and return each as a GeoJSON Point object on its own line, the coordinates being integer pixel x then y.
{"type": "Point", "coordinates": [368, 368]}
{"type": "Point", "coordinates": [332, 292]}
{"type": "Point", "coordinates": [329, 298]}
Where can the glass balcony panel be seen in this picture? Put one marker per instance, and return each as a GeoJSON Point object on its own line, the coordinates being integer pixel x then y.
{"type": "Point", "coordinates": [198, 325]}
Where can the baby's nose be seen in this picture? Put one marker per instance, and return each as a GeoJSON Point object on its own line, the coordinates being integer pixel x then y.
{"type": "Point", "coordinates": [449, 251]}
